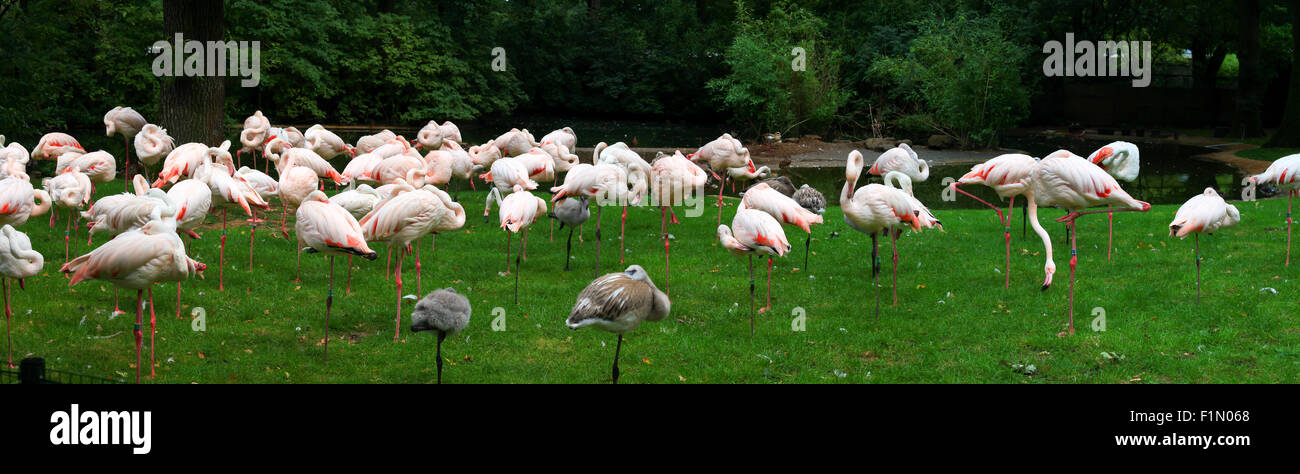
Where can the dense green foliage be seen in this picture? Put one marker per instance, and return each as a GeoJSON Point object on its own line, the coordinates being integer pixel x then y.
{"type": "Point", "coordinates": [967, 68]}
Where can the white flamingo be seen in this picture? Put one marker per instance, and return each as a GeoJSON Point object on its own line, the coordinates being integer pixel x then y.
{"type": "Point", "coordinates": [17, 261]}
{"type": "Point", "coordinates": [1204, 213]}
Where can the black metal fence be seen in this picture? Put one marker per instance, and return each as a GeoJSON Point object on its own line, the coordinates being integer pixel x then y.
{"type": "Point", "coordinates": [33, 371]}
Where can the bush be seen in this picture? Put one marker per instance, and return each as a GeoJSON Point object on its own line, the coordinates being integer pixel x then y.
{"type": "Point", "coordinates": [961, 77]}
{"type": "Point", "coordinates": [763, 89]}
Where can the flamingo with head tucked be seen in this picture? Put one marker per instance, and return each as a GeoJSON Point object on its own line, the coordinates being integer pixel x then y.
{"type": "Point", "coordinates": [55, 144]}
{"type": "Point", "coordinates": [13, 159]}
{"type": "Point", "coordinates": [17, 261]}
{"type": "Point", "coordinates": [618, 303]}
{"type": "Point", "coordinates": [763, 197]}
{"type": "Point", "coordinates": [753, 232]}
{"type": "Point", "coordinates": [1121, 160]}
{"type": "Point", "coordinates": [152, 144]}
{"type": "Point", "coordinates": [605, 182]}
{"type": "Point", "coordinates": [1204, 213]}
{"type": "Point", "coordinates": [638, 179]}
{"type": "Point", "coordinates": [327, 228]}
{"type": "Point", "coordinates": [518, 212]}
{"type": "Point", "coordinates": [1063, 179]}
{"type": "Point", "coordinates": [20, 201]}
{"type": "Point", "coordinates": [70, 190]}
{"type": "Point", "coordinates": [723, 153]}
{"type": "Point", "coordinates": [674, 180]}
{"type": "Point", "coordinates": [256, 132]}
{"type": "Point", "coordinates": [1285, 175]}
{"type": "Point", "coordinates": [127, 122]}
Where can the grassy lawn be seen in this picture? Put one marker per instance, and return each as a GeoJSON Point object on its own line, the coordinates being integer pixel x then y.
{"type": "Point", "coordinates": [954, 321]}
{"type": "Point", "coordinates": [1267, 154]}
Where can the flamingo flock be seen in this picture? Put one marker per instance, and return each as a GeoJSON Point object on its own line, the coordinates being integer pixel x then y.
{"type": "Point", "coordinates": [396, 191]}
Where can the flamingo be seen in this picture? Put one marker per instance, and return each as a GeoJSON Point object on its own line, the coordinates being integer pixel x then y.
{"type": "Point", "coordinates": [231, 189]}
{"type": "Point", "coordinates": [1008, 175]}
{"type": "Point", "coordinates": [1282, 173]}
{"type": "Point", "coordinates": [17, 261]}
{"type": "Point", "coordinates": [295, 185]}
{"type": "Point", "coordinates": [55, 144]}
{"type": "Point", "coordinates": [485, 155]}
{"type": "Point", "coordinates": [573, 212]}
{"type": "Point", "coordinates": [753, 232]}
{"type": "Point", "coordinates": [369, 143]}
{"type": "Point", "coordinates": [747, 173]}
{"type": "Point", "coordinates": [638, 177]}
{"type": "Point", "coordinates": [406, 217]}
{"type": "Point", "coordinates": [450, 161]}
{"type": "Point", "coordinates": [515, 142]}
{"type": "Point", "coordinates": [127, 122]}
{"type": "Point", "coordinates": [505, 174]}
{"type": "Point", "coordinates": [358, 202]}
{"type": "Point", "coordinates": [124, 212]}
{"type": "Point", "coordinates": [1203, 213]}
{"type": "Point", "coordinates": [764, 198]}
{"type": "Point", "coordinates": [309, 159]}
{"type": "Point", "coordinates": [182, 161]}
{"type": "Point", "coordinates": [607, 183]}
{"type": "Point", "coordinates": [432, 136]}
{"type": "Point", "coordinates": [811, 199]}
{"type": "Point", "coordinates": [71, 191]}
{"type": "Point", "coordinates": [256, 133]}
{"type": "Point", "coordinates": [444, 311]}
{"type": "Point", "coordinates": [327, 228]}
{"type": "Point", "coordinates": [135, 261]}
{"type": "Point", "coordinates": [563, 157]}
{"type": "Point", "coordinates": [518, 212]}
{"type": "Point", "coordinates": [1063, 179]}
{"type": "Point", "coordinates": [390, 169]}
{"type": "Point", "coordinates": [877, 208]}
{"type": "Point", "coordinates": [193, 199]}
{"type": "Point", "coordinates": [99, 166]}
{"type": "Point", "coordinates": [326, 143]}
{"type": "Point", "coordinates": [13, 159]}
{"type": "Point", "coordinates": [20, 201]}
{"type": "Point", "coordinates": [1121, 160]}
{"type": "Point", "coordinates": [903, 160]}
{"type": "Point", "coordinates": [782, 184]}
{"type": "Point", "coordinates": [674, 179]}
{"type": "Point", "coordinates": [563, 137]}
{"type": "Point", "coordinates": [152, 144]}
{"type": "Point", "coordinates": [722, 153]}
{"type": "Point", "coordinates": [618, 303]}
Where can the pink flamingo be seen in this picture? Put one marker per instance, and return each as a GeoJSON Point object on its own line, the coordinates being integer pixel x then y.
{"type": "Point", "coordinates": [1063, 179]}
{"type": "Point", "coordinates": [55, 144]}
{"type": "Point", "coordinates": [1282, 173]}
{"type": "Point", "coordinates": [295, 185]}
{"type": "Point", "coordinates": [1203, 213]}
{"type": "Point", "coordinates": [1121, 160]}
{"type": "Point", "coordinates": [638, 180]}
{"type": "Point", "coordinates": [604, 182]}
{"type": "Point", "coordinates": [753, 231]}
{"type": "Point", "coordinates": [152, 144]}
{"type": "Point", "coordinates": [193, 200]}
{"type": "Point", "coordinates": [70, 190]}
{"type": "Point", "coordinates": [181, 162]}
{"type": "Point", "coordinates": [674, 178]}
{"type": "Point", "coordinates": [518, 211]}
{"type": "Point", "coordinates": [127, 122]}
{"type": "Point", "coordinates": [762, 197]}
{"type": "Point", "coordinates": [328, 228]}
{"type": "Point", "coordinates": [135, 261]}
{"type": "Point", "coordinates": [358, 202]}
{"type": "Point", "coordinates": [1008, 175]}
{"type": "Point", "coordinates": [231, 189]}
{"type": "Point", "coordinates": [505, 174]}
{"type": "Point", "coordinates": [17, 261]}
{"type": "Point", "coordinates": [404, 218]}
{"type": "Point", "coordinates": [723, 153]}
{"type": "Point", "coordinates": [20, 201]}
{"type": "Point", "coordinates": [877, 208]}
{"type": "Point", "coordinates": [326, 143]}
{"type": "Point", "coordinates": [256, 132]}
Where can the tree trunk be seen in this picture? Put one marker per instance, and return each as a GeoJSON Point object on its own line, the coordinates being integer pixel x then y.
{"type": "Point", "coordinates": [1288, 132]}
{"type": "Point", "coordinates": [192, 107]}
{"type": "Point", "coordinates": [593, 9]}
{"type": "Point", "coordinates": [1249, 124]}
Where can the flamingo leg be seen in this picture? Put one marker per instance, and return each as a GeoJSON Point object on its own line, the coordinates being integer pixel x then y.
{"type": "Point", "coordinates": [618, 348]}
{"type": "Point", "coordinates": [1074, 261]}
{"type": "Point", "coordinates": [297, 272]}
{"type": "Point", "coordinates": [116, 308]}
{"type": "Point", "coordinates": [252, 234]}
{"type": "Point", "coordinates": [523, 243]}
{"type": "Point", "coordinates": [1007, 234]}
{"type": "Point", "coordinates": [139, 327]}
{"type": "Point", "coordinates": [622, 234]}
{"type": "Point", "coordinates": [9, 341]}
{"type": "Point", "coordinates": [126, 177]}
{"type": "Point", "coordinates": [153, 330]}
{"type": "Point", "coordinates": [663, 225]}
{"type": "Point", "coordinates": [1290, 196]}
{"type": "Point", "coordinates": [178, 300]}
{"type": "Point", "coordinates": [875, 270]}
{"type": "Point", "coordinates": [769, 286]}
{"type": "Point", "coordinates": [349, 287]}
{"type": "Point", "coordinates": [418, 277]}
{"type": "Point", "coordinates": [329, 303]}
{"type": "Point", "coordinates": [1110, 231]}
{"type": "Point", "coordinates": [1197, 254]}
{"type": "Point", "coordinates": [400, 256]}
{"type": "Point", "coordinates": [807, 248]}
{"type": "Point", "coordinates": [441, 335]}
{"type": "Point", "coordinates": [598, 219]}
{"type": "Point", "coordinates": [568, 250]}
{"type": "Point", "coordinates": [508, 251]}
{"type": "Point", "coordinates": [720, 188]}
{"type": "Point", "coordinates": [284, 216]}
{"type": "Point", "coordinates": [221, 271]}
{"type": "Point", "coordinates": [388, 267]}
{"type": "Point", "coordinates": [67, 232]}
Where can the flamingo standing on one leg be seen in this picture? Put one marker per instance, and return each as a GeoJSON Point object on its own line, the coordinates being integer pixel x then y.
{"type": "Point", "coordinates": [573, 212]}
{"type": "Point", "coordinates": [358, 202]}
{"type": "Point", "coordinates": [763, 197]}
{"type": "Point", "coordinates": [638, 179]}
{"type": "Point", "coordinates": [295, 185]}
{"type": "Point", "coordinates": [17, 261]}
{"type": "Point", "coordinates": [231, 189]}
{"type": "Point", "coordinates": [1008, 175]}
{"type": "Point", "coordinates": [193, 200]}
{"type": "Point", "coordinates": [617, 303]}
{"type": "Point", "coordinates": [811, 199]}
{"type": "Point", "coordinates": [1285, 174]}
{"type": "Point", "coordinates": [1204, 213]}
{"type": "Point", "coordinates": [444, 311]}
{"type": "Point", "coordinates": [256, 132]}
{"type": "Point", "coordinates": [129, 123]}
{"type": "Point", "coordinates": [135, 261]}
{"type": "Point", "coordinates": [404, 218]}
{"type": "Point", "coordinates": [70, 190]}
{"type": "Point", "coordinates": [753, 231]}
{"type": "Point", "coordinates": [1119, 159]}
{"type": "Point", "coordinates": [1063, 179]}
{"type": "Point", "coordinates": [518, 212]}
{"type": "Point", "coordinates": [327, 228]}
{"type": "Point", "coordinates": [903, 160]}
{"type": "Point", "coordinates": [606, 183]}
{"type": "Point", "coordinates": [877, 208]}
{"type": "Point", "coordinates": [723, 153]}
{"type": "Point", "coordinates": [674, 179]}
{"type": "Point", "coordinates": [152, 144]}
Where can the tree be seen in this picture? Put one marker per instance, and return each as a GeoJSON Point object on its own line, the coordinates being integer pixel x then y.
{"type": "Point", "coordinates": [1248, 121]}
{"type": "Point", "coordinates": [1288, 132]}
{"type": "Point", "coordinates": [192, 107]}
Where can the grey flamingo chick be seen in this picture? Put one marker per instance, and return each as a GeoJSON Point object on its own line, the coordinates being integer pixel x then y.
{"type": "Point", "coordinates": [444, 311]}
{"type": "Point", "coordinates": [573, 212]}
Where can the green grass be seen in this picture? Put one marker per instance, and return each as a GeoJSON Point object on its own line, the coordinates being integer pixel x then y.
{"type": "Point", "coordinates": [1267, 154]}
{"type": "Point", "coordinates": [954, 321]}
